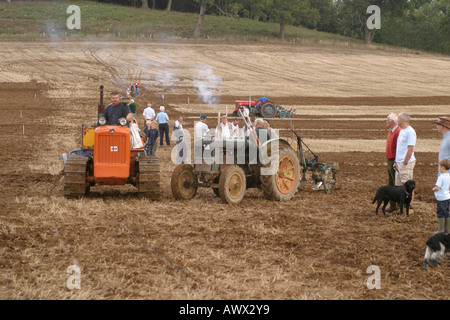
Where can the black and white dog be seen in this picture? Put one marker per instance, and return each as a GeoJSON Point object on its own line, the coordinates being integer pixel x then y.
{"type": "Point", "coordinates": [437, 244]}
{"type": "Point", "coordinates": [402, 195]}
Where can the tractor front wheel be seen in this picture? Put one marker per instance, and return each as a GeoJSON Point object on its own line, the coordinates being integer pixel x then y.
{"type": "Point", "coordinates": [232, 184]}
{"type": "Point", "coordinates": [184, 182]}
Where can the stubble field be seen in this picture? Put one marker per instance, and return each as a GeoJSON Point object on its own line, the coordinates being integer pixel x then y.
{"type": "Point", "coordinates": [317, 246]}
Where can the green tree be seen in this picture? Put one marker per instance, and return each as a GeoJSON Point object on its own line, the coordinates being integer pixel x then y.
{"type": "Point", "coordinates": [328, 15]}
{"type": "Point", "coordinates": [201, 17]}
{"type": "Point", "coordinates": [295, 12]}
{"type": "Point", "coordinates": [255, 9]}
{"type": "Point", "coordinates": [352, 15]}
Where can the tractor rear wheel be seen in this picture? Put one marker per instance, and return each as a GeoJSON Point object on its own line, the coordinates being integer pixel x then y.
{"type": "Point", "coordinates": [148, 183]}
{"type": "Point", "coordinates": [232, 184]}
{"type": "Point", "coordinates": [184, 182]}
{"type": "Point", "coordinates": [282, 185]}
{"type": "Point", "coordinates": [76, 183]}
{"type": "Point", "coordinates": [268, 110]}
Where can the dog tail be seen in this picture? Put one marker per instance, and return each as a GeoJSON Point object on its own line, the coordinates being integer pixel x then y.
{"type": "Point", "coordinates": [374, 199]}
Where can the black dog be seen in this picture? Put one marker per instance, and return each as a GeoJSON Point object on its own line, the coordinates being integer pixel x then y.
{"type": "Point", "coordinates": [437, 244]}
{"type": "Point", "coordinates": [402, 195]}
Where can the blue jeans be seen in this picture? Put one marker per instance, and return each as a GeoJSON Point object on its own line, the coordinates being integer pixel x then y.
{"type": "Point", "coordinates": [151, 150]}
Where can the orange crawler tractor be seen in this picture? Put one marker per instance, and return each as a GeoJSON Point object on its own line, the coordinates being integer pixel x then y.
{"type": "Point", "coordinates": [106, 158]}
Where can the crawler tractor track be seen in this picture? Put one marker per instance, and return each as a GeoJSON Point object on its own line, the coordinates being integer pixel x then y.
{"type": "Point", "coordinates": [149, 178]}
{"type": "Point", "coordinates": [76, 183]}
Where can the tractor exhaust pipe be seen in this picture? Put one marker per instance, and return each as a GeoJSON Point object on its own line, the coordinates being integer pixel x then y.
{"type": "Point", "coordinates": [101, 106]}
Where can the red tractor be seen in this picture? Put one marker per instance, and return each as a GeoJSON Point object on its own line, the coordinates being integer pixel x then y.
{"type": "Point", "coordinates": [264, 109]}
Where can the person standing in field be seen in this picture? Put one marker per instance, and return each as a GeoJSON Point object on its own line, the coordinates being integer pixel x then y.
{"type": "Point", "coordinates": [132, 106]}
{"type": "Point", "coordinates": [391, 147]}
{"type": "Point", "coordinates": [404, 154]}
{"type": "Point", "coordinates": [163, 121]}
{"type": "Point", "coordinates": [442, 194]}
{"type": "Point", "coordinates": [180, 141]}
{"type": "Point", "coordinates": [148, 114]}
{"type": "Point", "coordinates": [443, 127]}
{"type": "Point", "coordinates": [151, 139]}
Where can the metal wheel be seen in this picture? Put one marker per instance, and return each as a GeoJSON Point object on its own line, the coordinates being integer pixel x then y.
{"type": "Point", "coordinates": [148, 182]}
{"type": "Point", "coordinates": [76, 183]}
{"type": "Point", "coordinates": [183, 182]}
{"type": "Point", "coordinates": [232, 184]}
{"type": "Point", "coordinates": [329, 180]}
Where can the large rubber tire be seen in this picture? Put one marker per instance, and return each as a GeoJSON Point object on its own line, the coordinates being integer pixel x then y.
{"type": "Point", "coordinates": [76, 182]}
{"type": "Point", "coordinates": [268, 110]}
{"type": "Point", "coordinates": [283, 185]}
{"type": "Point", "coordinates": [232, 184]}
{"type": "Point", "coordinates": [183, 182]}
{"type": "Point", "coordinates": [148, 182]}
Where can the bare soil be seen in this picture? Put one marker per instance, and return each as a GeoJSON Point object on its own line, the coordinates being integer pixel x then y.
{"type": "Point", "coordinates": [317, 246]}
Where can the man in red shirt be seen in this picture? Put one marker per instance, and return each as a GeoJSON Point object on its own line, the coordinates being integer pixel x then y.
{"type": "Point", "coordinates": [391, 146]}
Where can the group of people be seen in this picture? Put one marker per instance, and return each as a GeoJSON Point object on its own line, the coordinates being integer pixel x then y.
{"type": "Point", "coordinates": [133, 90]}
{"type": "Point", "coordinates": [400, 145]}
{"type": "Point", "coordinates": [229, 130]}
{"type": "Point", "coordinates": [153, 136]}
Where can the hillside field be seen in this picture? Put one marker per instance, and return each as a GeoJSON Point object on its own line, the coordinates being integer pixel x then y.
{"type": "Point", "coordinates": [317, 246]}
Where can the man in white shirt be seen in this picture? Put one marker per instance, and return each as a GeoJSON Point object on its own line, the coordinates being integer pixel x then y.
{"type": "Point", "coordinates": [404, 155]}
{"type": "Point", "coordinates": [180, 141]}
{"type": "Point", "coordinates": [201, 128]}
{"type": "Point", "coordinates": [235, 132]}
{"type": "Point", "coordinates": [223, 130]}
{"type": "Point", "coordinates": [148, 114]}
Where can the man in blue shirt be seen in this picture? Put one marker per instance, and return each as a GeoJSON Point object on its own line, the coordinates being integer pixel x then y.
{"type": "Point", "coordinates": [261, 101]}
{"type": "Point", "coordinates": [443, 127]}
{"type": "Point", "coordinates": [116, 110]}
{"type": "Point", "coordinates": [163, 121]}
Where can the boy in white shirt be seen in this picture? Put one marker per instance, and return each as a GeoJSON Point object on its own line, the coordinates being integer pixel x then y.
{"type": "Point", "coordinates": [442, 194]}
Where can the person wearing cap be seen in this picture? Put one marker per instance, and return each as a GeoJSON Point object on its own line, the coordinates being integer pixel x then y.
{"type": "Point", "coordinates": [223, 130]}
{"type": "Point", "coordinates": [404, 152]}
{"type": "Point", "coordinates": [201, 128]}
{"type": "Point", "coordinates": [443, 127]}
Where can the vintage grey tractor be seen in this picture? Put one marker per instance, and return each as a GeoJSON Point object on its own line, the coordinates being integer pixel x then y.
{"type": "Point", "coordinates": [231, 166]}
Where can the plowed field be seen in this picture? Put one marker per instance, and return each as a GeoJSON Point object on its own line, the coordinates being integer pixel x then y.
{"type": "Point", "coordinates": [317, 246]}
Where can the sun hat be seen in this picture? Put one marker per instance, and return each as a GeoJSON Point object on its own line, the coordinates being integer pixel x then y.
{"type": "Point", "coordinates": [443, 121]}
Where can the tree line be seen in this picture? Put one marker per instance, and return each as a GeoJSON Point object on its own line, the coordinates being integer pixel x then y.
{"type": "Point", "coordinates": [416, 24]}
